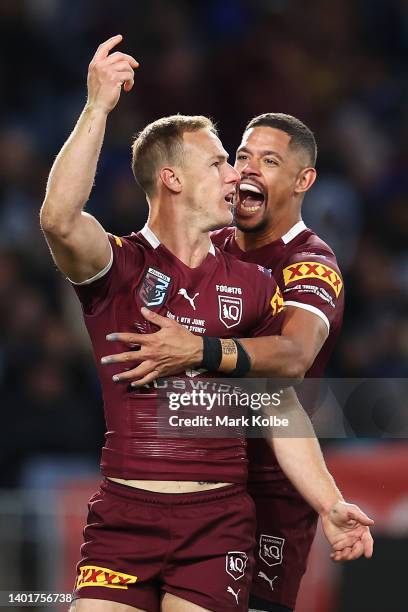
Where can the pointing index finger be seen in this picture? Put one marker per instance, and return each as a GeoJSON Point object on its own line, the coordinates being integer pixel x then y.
{"type": "Point", "coordinates": [104, 48]}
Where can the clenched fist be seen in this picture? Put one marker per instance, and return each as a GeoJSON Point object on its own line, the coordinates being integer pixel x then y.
{"type": "Point", "coordinates": [107, 73]}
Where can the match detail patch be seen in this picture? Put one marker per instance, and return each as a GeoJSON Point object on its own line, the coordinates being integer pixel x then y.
{"type": "Point", "coordinates": [277, 302]}
{"type": "Point", "coordinates": [92, 575]}
{"type": "Point", "coordinates": [313, 269]}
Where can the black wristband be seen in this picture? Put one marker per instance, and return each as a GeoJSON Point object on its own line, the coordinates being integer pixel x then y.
{"type": "Point", "coordinates": [212, 354]}
{"type": "Point", "coordinates": [212, 357]}
{"type": "Point", "coordinates": [243, 362]}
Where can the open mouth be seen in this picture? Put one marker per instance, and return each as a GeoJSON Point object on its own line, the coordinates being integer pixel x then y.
{"type": "Point", "coordinates": [229, 198]}
{"type": "Point", "coordinates": [251, 198]}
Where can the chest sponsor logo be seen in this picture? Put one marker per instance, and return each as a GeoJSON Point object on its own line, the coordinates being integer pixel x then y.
{"type": "Point", "coordinates": [271, 549]}
{"type": "Point", "coordinates": [230, 310]}
{"type": "Point", "coordinates": [313, 269]}
{"type": "Point", "coordinates": [184, 293]}
{"type": "Point", "coordinates": [235, 564]}
{"type": "Point", "coordinates": [277, 302]}
{"type": "Point", "coordinates": [92, 575]}
{"type": "Point", "coordinates": [154, 288]}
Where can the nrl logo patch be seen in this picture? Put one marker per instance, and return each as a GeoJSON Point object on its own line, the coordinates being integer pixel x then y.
{"type": "Point", "coordinates": [271, 549]}
{"type": "Point", "coordinates": [230, 310]}
{"type": "Point", "coordinates": [235, 564]}
{"type": "Point", "coordinates": [154, 288]}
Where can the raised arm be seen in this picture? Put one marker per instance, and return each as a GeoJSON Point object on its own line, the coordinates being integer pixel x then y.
{"type": "Point", "coordinates": [78, 242]}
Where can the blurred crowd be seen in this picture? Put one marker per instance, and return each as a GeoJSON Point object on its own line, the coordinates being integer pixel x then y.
{"type": "Point", "coordinates": [340, 66]}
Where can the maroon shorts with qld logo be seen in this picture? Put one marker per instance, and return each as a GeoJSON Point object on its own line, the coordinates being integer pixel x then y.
{"type": "Point", "coordinates": [286, 526]}
{"type": "Point", "coordinates": [140, 545]}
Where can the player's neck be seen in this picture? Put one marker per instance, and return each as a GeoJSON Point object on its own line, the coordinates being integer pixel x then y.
{"type": "Point", "coordinates": [249, 241]}
{"type": "Point", "coordinates": [187, 243]}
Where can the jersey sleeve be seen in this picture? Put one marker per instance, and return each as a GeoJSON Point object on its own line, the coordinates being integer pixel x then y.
{"type": "Point", "coordinates": [270, 310]}
{"type": "Point", "coordinates": [126, 261]}
{"type": "Point", "coordinates": [313, 281]}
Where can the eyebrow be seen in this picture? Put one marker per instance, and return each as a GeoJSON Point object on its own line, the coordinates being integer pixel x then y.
{"type": "Point", "coordinates": [220, 157]}
{"type": "Point", "coordinates": [263, 153]}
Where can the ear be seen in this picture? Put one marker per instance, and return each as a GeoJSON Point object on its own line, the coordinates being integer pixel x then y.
{"type": "Point", "coordinates": [305, 180]}
{"type": "Point", "coordinates": [170, 179]}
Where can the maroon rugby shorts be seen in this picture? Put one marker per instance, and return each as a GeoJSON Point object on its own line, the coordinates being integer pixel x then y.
{"type": "Point", "coordinates": [286, 526]}
{"type": "Point", "coordinates": [197, 546]}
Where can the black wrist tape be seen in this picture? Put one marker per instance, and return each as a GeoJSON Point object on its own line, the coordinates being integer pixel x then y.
{"type": "Point", "coordinates": [212, 354]}
{"type": "Point", "coordinates": [212, 357]}
{"type": "Point", "coordinates": [243, 362]}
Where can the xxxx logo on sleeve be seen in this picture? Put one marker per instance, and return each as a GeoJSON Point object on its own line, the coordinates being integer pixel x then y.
{"type": "Point", "coordinates": [92, 575]}
{"type": "Point", "coordinates": [277, 302]}
{"type": "Point", "coordinates": [313, 269]}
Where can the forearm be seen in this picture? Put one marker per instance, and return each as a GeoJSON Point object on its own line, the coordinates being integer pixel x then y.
{"type": "Point", "coordinates": [301, 459]}
{"type": "Point", "coordinates": [302, 462]}
{"type": "Point", "coordinates": [73, 173]}
{"type": "Point", "coordinates": [290, 354]}
{"type": "Point", "coordinates": [265, 357]}
{"type": "Point", "coordinates": [275, 356]}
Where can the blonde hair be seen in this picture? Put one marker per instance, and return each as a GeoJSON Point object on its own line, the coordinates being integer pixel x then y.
{"type": "Point", "coordinates": [161, 143]}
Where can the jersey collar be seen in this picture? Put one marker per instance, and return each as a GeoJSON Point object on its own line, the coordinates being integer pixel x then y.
{"type": "Point", "coordinates": [153, 240]}
{"type": "Point", "coordinates": [293, 232]}
{"type": "Point", "coordinates": [150, 237]}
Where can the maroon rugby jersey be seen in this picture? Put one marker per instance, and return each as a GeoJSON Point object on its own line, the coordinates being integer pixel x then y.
{"type": "Point", "coordinates": [222, 297]}
{"type": "Point", "coordinates": [306, 270]}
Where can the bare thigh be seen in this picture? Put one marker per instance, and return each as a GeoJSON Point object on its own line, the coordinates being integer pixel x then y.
{"type": "Point", "coordinates": [101, 605]}
{"type": "Point", "coordinates": [172, 603]}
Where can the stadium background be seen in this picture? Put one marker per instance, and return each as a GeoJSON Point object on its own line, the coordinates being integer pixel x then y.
{"type": "Point", "coordinates": [341, 66]}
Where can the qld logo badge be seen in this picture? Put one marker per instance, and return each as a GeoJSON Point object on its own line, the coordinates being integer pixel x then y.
{"type": "Point", "coordinates": [229, 310]}
{"type": "Point", "coordinates": [154, 287]}
{"type": "Point", "coordinates": [271, 549]}
{"type": "Point", "coordinates": [235, 564]}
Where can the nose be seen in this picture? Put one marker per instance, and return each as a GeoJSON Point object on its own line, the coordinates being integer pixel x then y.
{"type": "Point", "coordinates": [251, 167]}
{"type": "Point", "coordinates": [232, 176]}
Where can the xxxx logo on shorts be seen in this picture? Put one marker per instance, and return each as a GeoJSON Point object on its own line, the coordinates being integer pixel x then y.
{"type": "Point", "coordinates": [313, 269]}
{"type": "Point", "coordinates": [92, 575]}
{"type": "Point", "coordinates": [235, 563]}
